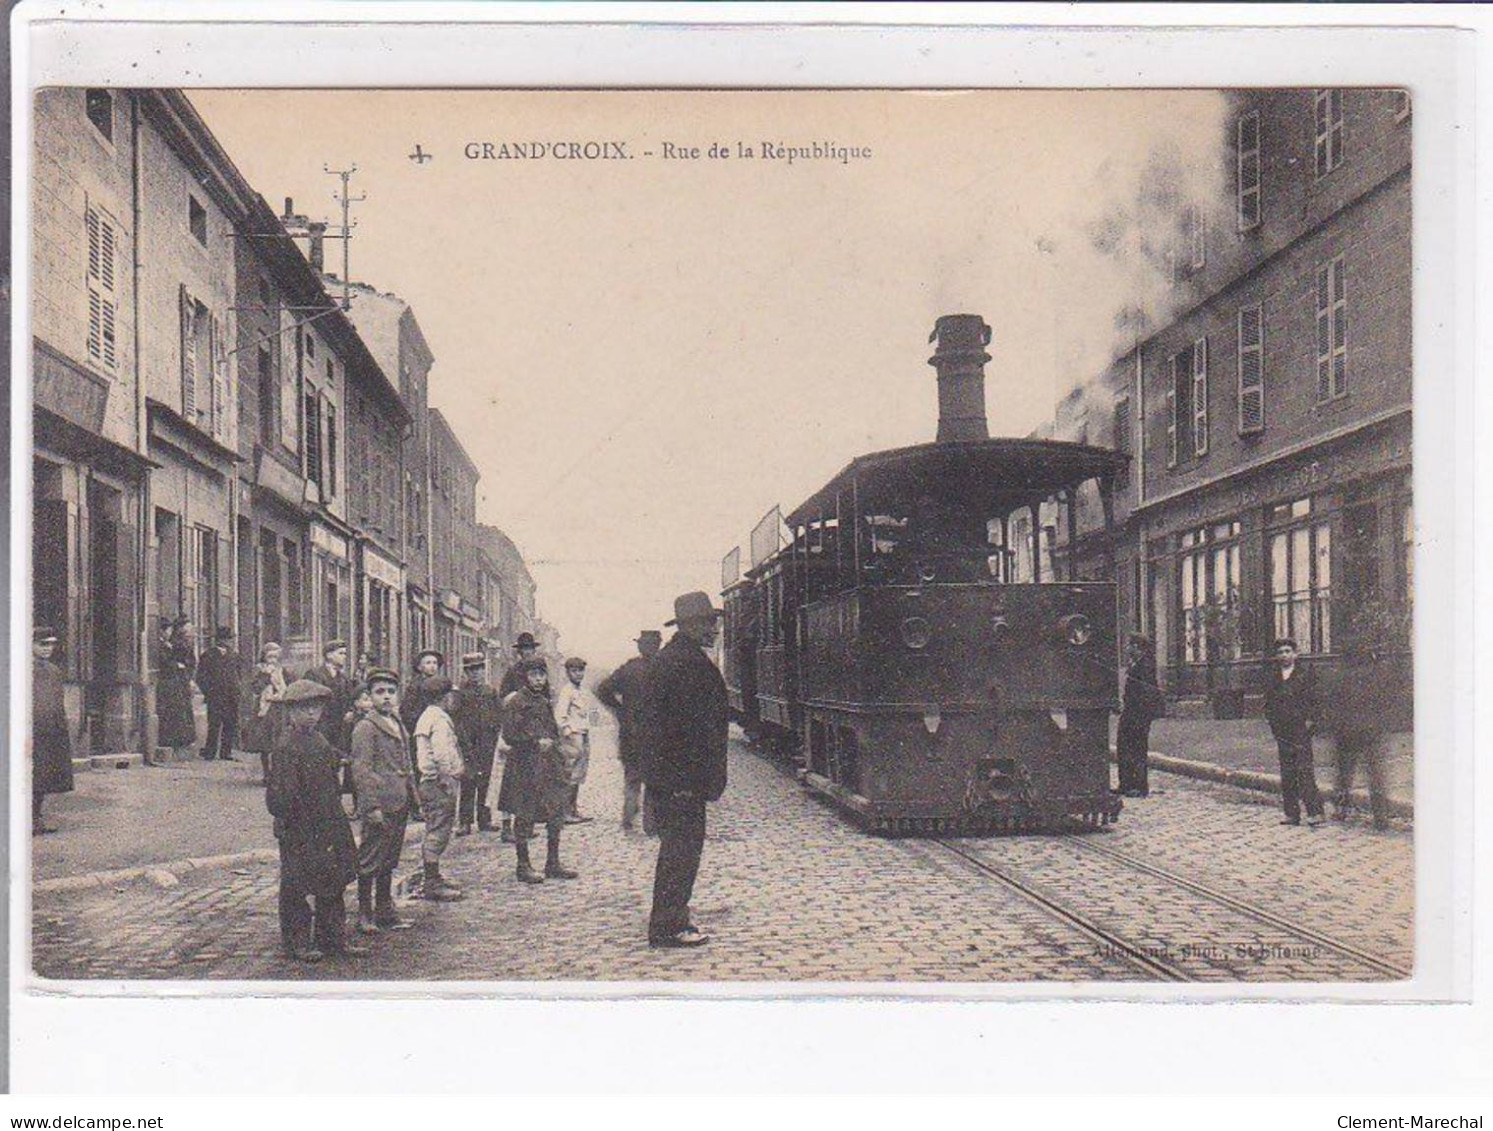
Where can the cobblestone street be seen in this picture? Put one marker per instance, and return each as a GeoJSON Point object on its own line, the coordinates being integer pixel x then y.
{"type": "Point", "coordinates": [794, 893]}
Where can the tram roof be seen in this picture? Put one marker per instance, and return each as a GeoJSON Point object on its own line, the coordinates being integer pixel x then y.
{"type": "Point", "coordinates": [999, 473]}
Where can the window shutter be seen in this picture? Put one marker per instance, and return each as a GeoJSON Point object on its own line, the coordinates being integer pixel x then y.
{"type": "Point", "coordinates": [106, 241]}
{"type": "Point", "coordinates": [1339, 329]}
{"type": "Point", "coordinates": [219, 378]}
{"type": "Point", "coordinates": [1171, 417]}
{"type": "Point", "coordinates": [1200, 396]}
{"type": "Point", "coordinates": [331, 415]}
{"type": "Point", "coordinates": [1248, 170]}
{"type": "Point", "coordinates": [1251, 371]}
{"type": "Point", "coordinates": [188, 356]}
{"type": "Point", "coordinates": [95, 325]}
{"type": "Point", "coordinates": [1122, 425]}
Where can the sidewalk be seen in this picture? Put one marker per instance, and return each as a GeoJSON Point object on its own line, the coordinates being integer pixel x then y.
{"type": "Point", "coordinates": [1246, 745]}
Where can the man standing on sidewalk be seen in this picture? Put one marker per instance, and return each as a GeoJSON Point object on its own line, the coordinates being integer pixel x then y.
{"type": "Point", "coordinates": [1143, 704]}
{"type": "Point", "coordinates": [479, 720]}
{"type": "Point", "coordinates": [317, 856]}
{"type": "Point", "coordinates": [441, 770]}
{"type": "Point", "coordinates": [526, 648]}
{"type": "Point", "coordinates": [622, 694]}
{"type": "Point", "coordinates": [688, 721]}
{"type": "Point", "coordinates": [219, 676]}
{"type": "Point", "coordinates": [1356, 719]}
{"type": "Point", "coordinates": [381, 782]}
{"type": "Point", "coordinates": [1291, 709]}
{"type": "Point", "coordinates": [574, 707]}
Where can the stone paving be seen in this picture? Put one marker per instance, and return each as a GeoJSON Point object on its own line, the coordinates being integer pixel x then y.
{"type": "Point", "coordinates": [790, 891]}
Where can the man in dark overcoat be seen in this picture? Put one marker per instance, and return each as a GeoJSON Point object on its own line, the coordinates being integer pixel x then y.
{"type": "Point", "coordinates": [1291, 709]}
{"type": "Point", "coordinates": [220, 676]}
{"type": "Point", "coordinates": [622, 694]}
{"type": "Point", "coordinates": [381, 783]}
{"type": "Point", "coordinates": [688, 720]}
{"type": "Point", "coordinates": [1358, 722]}
{"type": "Point", "coordinates": [536, 773]}
{"type": "Point", "coordinates": [51, 741]}
{"type": "Point", "coordinates": [526, 647]}
{"type": "Point", "coordinates": [479, 721]}
{"type": "Point", "coordinates": [1141, 705]}
{"type": "Point", "coordinates": [317, 856]}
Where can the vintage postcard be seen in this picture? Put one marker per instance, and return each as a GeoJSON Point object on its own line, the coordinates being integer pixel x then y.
{"type": "Point", "coordinates": [750, 540]}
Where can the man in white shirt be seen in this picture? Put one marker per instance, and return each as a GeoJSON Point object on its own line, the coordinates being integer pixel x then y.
{"type": "Point", "coordinates": [438, 759]}
{"type": "Point", "coordinates": [575, 708]}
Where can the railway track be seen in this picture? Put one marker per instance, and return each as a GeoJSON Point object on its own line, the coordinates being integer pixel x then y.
{"type": "Point", "coordinates": [1160, 962]}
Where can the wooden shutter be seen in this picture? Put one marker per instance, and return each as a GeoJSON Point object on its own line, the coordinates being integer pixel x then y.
{"type": "Point", "coordinates": [1248, 170]}
{"type": "Point", "coordinates": [103, 303]}
{"type": "Point", "coordinates": [1171, 416]}
{"type": "Point", "coordinates": [1251, 371]}
{"type": "Point", "coordinates": [1200, 396]}
{"type": "Point", "coordinates": [219, 379]}
{"type": "Point", "coordinates": [188, 355]}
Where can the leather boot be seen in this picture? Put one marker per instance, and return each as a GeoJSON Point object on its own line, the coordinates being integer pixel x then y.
{"type": "Point", "coordinates": [552, 866]}
{"type": "Point", "coordinates": [506, 835]}
{"type": "Point", "coordinates": [526, 871]}
{"type": "Point", "coordinates": [384, 915]}
{"type": "Point", "coordinates": [367, 924]}
{"type": "Point", "coordinates": [484, 819]}
{"type": "Point", "coordinates": [437, 889]}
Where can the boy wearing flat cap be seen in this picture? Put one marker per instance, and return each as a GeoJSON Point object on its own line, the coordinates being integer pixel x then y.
{"type": "Point", "coordinates": [317, 856]}
{"type": "Point", "coordinates": [575, 707]}
{"type": "Point", "coordinates": [381, 783]}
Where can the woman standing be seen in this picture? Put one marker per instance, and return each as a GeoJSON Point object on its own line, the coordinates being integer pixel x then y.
{"type": "Point", "coordinates": [51, 741]}
{"type": "Point", "coordinates": [266, 690]}
{"type": "Point", "coordinates": [178, 725]}
{"type": "Point", "coordinates": [1143, 704]}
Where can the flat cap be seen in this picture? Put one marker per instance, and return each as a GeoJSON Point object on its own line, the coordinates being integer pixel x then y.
{"type": "Point", "coordinates": [381, 675]}
{"type": "Point", "coordinates": [305, 691]}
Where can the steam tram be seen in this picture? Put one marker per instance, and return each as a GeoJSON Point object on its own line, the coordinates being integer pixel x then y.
{"type": "Point", "coordinates": [897, 632]}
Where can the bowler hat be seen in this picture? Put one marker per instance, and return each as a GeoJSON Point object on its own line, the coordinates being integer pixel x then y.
{"type": "Point", "coordinates": [474, 660]}
{"type": "Point", "coordinates": [380, 675]}
{"type": "Point", "coordinates": [305, 691]}
{"type": "Point", "coordinates": [650, 636]}
{"type": "Point", "coordinates": [693, 606]}
{"type": "Point", "coordinates": [526, 640]}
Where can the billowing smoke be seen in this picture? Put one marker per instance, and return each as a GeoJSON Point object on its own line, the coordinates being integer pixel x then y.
{"type": "Point", "coordinates": [1121, 256]}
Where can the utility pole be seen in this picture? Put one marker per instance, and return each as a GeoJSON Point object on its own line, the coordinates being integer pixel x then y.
{"type": "Point", "coordinates": [347, 225]}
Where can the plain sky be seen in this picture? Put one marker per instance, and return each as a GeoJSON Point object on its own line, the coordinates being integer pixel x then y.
{"type": "Point", "coordinates": [643, 356]}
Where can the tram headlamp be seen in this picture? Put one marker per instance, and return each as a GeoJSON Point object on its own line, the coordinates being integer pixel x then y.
{"type": "Point", "coordinates": [916, 632]}
{"type": "Point", "coordinates": [1077, 629]}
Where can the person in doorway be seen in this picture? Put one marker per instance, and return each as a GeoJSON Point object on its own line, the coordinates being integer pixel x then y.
{"type": "Point", "coordinates": [1291, 709]}
{"type": "Point", "coordinates": [381, 781]}
{"type": "Point", "coordinates": [535, 773]}
{"type": "Point", "coordinates": [479, 720]}
{"type": "Point", "coordinates": [575, 707]}
{"type": "Point", "coordinates": [438, 756]}
{"type": "Point", "coordinates": [622, 694]}
{"type": "Point", "coordinates": [174, 711]}
{"type": "Point", "coordinates": [262, 712]}
{"type": "Point", "coordinates": [51, 740]}
{"type": "Point", "coordinates": [1142, 704]}
{"type": "Point", "coordinates": [219, 677]}
{"type": "Point", "coordinates": [317, 856]}
{"type": "Point", "coordinates": [526, 648]}
{"type": "Point", "coordinates": [688, 725]}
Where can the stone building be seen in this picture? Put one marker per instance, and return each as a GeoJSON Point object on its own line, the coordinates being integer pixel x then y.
{"type": "Point", "coordinates": [511, 592]}
{"type": "Point", "coordinates": [453, 540]}
{"type": "Point", "coordinates": [1269, 414]}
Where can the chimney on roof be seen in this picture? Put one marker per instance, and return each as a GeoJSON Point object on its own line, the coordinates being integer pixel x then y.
{"type": "Point", "coordinates": [317, 231]}
{"type": "Point", "coordinates": [960, 359]}
{"type": "Point", "coordinates": [289, 208]}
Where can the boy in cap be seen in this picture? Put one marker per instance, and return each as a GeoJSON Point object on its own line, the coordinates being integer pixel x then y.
{"type": "Point", "coordinates": [479, 719]}
{"type": "Point", "coordinates": [535, 772]}
{"type": "Point", "coordinates": [441, 770]}
{"type": "Point", "coordinates": [380, 771]}
{"type": "Point", "coordinates": [574, 709]}
{"type": "Point", "coordinates": [317, 856]}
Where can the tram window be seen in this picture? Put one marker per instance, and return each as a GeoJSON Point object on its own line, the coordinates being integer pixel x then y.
{"type": "Point", "coordinates": [885, 533]}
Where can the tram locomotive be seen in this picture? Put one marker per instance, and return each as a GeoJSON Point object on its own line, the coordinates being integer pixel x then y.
{"type": "Point", "coordinates": [898, 632]}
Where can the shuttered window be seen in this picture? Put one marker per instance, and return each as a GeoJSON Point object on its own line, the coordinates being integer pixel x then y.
{"type": "Point", "coordinates": [313, 438]}
{"type": "Point", "coordinates": [1248, 170]}
{"type": "Point", "coordinates": [1251, 370]}
{"type": "Point", "coordinates": [103, 297]}
{"type": "Point", "coordinates": [1332, 330]}
{"type": "Point", "coordinates": [1329, 119]}
{"type": "Point", "coordinates": [1171, 416]}
{"type": "Point", "coordinates": [331, 415]}
{"type": "Point", "coordinates": [1122, 424]}
{"type": "Point", "coordinates": [1200, 397]}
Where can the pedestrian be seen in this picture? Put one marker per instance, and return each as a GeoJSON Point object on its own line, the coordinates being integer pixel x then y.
{"type": "Point", "coordinates": [177, 661]}
{"type": "Point", "coordinates": [381, 777]}
{"type": "Point", "coordinates": [688, 724]}
{"type": "Point", "coordinates": [535, 773]}
{"type": "Point", "coordinates": [479, 721]}
{"type": "Point", "coordinates": [412, 704]}
{"type": "Point", "coordinates": [440, 767]}
{"type": "Point", "coordinates": [575, 707]}
{"type": "Point", "coordinates": [1291, 709]}
{"type": "Point", "coordinates": [262, 712]}
{"type": "Point", "coordinates": [622, 694]}
{"type": "Point", "coordinates": [526, 648]}
{"type": "Point", "coordinates": [51, 740]}
{"type": "Point", "coordinates": [331, 673]}
{"type": "Point", "coordinates": [219, 677]}
{"type": "Point", "coordinates": [317, 856]}
{"type": "Point", "coordinates": [1356, 719]}
{"type": "Point", "coordinates": [1142, 704]}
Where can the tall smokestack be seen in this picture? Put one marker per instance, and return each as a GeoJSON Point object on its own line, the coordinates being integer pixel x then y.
{"type": "Point", "coordinates": [960, 359]}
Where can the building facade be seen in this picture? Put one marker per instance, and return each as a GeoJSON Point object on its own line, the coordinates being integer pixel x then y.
{"type": "Point", "coordinates": [459, 626]}
{"type": "Point", "coordinates": [511, 591]}
{"type": "Point", "coordinates": [1269, 416]}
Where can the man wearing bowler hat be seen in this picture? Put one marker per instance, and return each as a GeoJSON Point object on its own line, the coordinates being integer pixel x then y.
{"type": "Point", "coordinates": [526, 647]}
{"type": "Point", "coordinates": [622, 694]}
{"type": "Point", "coordinates": [219, 674]}
{"type": "Point", "coordinates": [687, 721]}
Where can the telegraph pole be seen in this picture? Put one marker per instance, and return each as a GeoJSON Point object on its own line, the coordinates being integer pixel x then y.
{"type": "Point", "coordinates": [348, 225]}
